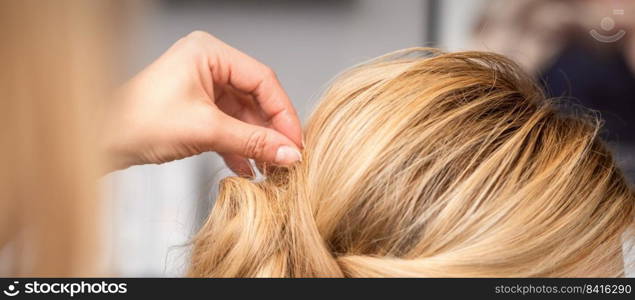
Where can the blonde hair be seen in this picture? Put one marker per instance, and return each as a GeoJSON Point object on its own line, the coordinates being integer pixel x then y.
{"type": "Point", "coordinates": [450, 164]}
{"type": "Point", "coordinates": [52, 80]}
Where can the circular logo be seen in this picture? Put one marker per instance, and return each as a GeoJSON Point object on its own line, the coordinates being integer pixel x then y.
{"type": "Point", "coordinates": [608, 24]}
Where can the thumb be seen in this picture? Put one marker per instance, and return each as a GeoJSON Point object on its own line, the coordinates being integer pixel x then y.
{"type": "Point", "coordinates": [259, 143]}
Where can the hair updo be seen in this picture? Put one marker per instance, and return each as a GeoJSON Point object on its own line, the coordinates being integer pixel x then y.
{"type": "Point", "coordinates": [433, 165]}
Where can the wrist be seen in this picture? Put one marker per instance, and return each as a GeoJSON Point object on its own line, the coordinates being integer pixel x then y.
{"type": "Point", "coordinates": [116, 157]}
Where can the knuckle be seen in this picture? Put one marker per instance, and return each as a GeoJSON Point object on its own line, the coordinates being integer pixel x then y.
{"type": "Point", "coordinates": [194, 41]}
{"type": "Point", "coordinates": [256, 143]}
{"type": "Point", "coordinates": [269, 72]}
{"type": "Point", "coordinates": [198, 35]}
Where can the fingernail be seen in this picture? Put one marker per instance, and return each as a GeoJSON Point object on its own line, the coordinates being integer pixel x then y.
{"type": "Point", "coordinates": [287, 155]}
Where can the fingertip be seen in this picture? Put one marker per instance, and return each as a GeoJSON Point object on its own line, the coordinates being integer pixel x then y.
{"type": "Point", "coordinates": [286, 155]}
{"type": "Point", "coordinates": [289, 125]}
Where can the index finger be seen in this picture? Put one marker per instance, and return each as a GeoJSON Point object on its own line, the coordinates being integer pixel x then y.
{"type": "Point", "coordinates": [246, 74]}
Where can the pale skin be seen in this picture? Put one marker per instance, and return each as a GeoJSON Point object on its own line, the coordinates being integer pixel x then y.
{"type": "Point", "coordinates": [203, 95]}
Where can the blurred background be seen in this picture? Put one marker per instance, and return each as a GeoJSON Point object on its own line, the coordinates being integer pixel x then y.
{"type": "Point", "coordinates": [581, 50]}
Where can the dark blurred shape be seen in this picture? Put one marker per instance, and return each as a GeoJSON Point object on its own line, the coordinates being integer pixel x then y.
{"type": "Point", "coordinates": [432, 21]}
{"type": "Point", "coordinates": [600, 79]}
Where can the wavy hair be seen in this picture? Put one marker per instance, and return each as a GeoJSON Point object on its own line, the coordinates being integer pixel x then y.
{"type": "Point", "coordinates": [428, 164]}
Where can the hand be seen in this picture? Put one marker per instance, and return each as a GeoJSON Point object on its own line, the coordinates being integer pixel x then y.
{"type": "Point", "coordinates": [203, 95]}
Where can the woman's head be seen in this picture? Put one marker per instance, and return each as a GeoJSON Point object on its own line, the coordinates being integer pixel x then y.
{"type": "Point", "coordinates": [442, 165]}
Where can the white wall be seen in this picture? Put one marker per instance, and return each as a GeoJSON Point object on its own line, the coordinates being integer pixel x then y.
{"type": "Point", "coordinates": [457, 18]}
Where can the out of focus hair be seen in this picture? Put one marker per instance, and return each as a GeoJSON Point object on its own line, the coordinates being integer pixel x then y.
{"type": "Point", "coordinates": [54, 73]}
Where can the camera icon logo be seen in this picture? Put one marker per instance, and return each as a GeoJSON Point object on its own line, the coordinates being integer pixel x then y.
{"type": "Point", "coordinates": [12, 290]}
{"type": "Point", "coordinates": [608, 24]}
